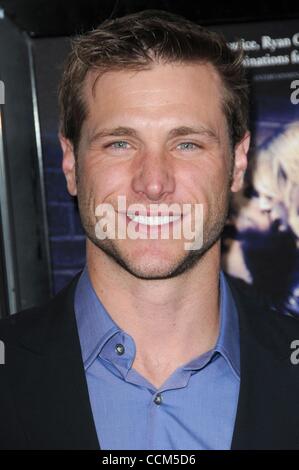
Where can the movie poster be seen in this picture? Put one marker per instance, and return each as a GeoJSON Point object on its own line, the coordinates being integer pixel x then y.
{"type": "Point", "coordinates": [261, 240]}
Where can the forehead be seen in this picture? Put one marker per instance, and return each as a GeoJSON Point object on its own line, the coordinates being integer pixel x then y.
{"type": "Point", "coordinates": [165, 90]}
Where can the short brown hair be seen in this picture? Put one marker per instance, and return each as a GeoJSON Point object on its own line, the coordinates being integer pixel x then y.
{"type": "Point", "coordinates": [136, 42]}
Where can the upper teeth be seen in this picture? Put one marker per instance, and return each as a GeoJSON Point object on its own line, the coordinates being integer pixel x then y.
{"type": "Point", "coordinates": [153, 220]}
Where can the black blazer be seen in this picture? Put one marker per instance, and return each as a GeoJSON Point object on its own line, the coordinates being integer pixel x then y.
{"type": "Point", "coordinates": [44, 402]}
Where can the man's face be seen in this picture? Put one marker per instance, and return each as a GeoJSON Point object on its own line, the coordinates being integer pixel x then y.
{"type": "Point", "coordinates": [155, 136]}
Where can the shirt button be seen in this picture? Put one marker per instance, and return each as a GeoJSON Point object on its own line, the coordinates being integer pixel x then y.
{"type": "Point", "coordinates": [158, 399]}
{"type": "Point", "coordinates": [120, 349]}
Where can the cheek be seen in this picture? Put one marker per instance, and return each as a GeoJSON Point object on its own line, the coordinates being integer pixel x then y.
{"type": "Point", "coordinates": [211, 188]}
{"type": "Point", "coordinates": [103, 181]}
{"type": "Point", "coordinates": [207, 181]}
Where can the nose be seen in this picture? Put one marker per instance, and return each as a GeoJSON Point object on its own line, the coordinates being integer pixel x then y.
{"type": "Point", "coordinates": [154, 176]}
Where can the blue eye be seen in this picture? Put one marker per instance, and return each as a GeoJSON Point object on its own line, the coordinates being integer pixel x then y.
{"type": "Point", "coordinates": [121, 144]}
{"type": "Point", "coordinates": [188, 146]}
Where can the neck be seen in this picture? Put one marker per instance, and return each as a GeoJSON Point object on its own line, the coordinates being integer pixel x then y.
{"type": "Point", "coordinates": [162, 316]}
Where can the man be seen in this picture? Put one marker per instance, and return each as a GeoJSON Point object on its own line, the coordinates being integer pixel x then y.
{"type": "Point", "coordinates": [151, 346]}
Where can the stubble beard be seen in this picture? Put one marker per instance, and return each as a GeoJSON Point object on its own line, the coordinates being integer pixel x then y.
{"type": "Point", "coordinates": [180, 265]}
{"type": "Point", "coordinates": [211, 234]}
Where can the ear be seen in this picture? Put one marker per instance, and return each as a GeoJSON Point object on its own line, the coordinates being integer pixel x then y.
{"type": "Point", "coordinates": [240, 163]}
{"type": "Point", "coordinates": [68, 164]}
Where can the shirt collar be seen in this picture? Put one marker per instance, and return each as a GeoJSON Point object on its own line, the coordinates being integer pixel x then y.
{"type": "Point", "coordinates": [228, 343]}
{"type": "Point", "coordinates": [96, 327]}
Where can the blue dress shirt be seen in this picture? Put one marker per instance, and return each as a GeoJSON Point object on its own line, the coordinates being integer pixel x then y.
{"type": "Point", "coordinates": [194, 409]}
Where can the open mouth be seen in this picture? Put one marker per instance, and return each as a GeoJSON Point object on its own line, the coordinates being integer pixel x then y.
{"type": "Point", "coordinates": [153, 221]}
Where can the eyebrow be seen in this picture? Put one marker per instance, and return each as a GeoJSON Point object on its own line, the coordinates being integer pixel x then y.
{"type": "Point", "coordinates": [176, 132]}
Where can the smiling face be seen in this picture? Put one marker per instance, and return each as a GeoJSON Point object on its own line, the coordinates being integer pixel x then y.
{"type": "Point", "coordinates": [155, 136]}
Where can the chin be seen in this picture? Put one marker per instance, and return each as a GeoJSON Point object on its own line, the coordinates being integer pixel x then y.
{"type": "Point", "coordinates": [153, 260]}
{"type": "Point", "coordinates": [150, 272]}
{"type": "Point", "coordinates": [152, 263]}
{"type": "Point", "coordinates": [152, 269]}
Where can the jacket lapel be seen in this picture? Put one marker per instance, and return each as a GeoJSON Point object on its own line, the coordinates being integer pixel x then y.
{"type": "Point", "coordinates": [267, 413]}
{"type": "Point", "coordinates": [51, 393]}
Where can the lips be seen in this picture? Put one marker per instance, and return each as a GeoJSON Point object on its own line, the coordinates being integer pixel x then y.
{"type": "Point", "coordinates": [153, 220]}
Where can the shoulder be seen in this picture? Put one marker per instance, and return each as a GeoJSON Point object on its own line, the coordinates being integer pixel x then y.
{"type": "Point", "coordinates": [270, 326]}
{"type": "Point", "coordinates": [33, 321]}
